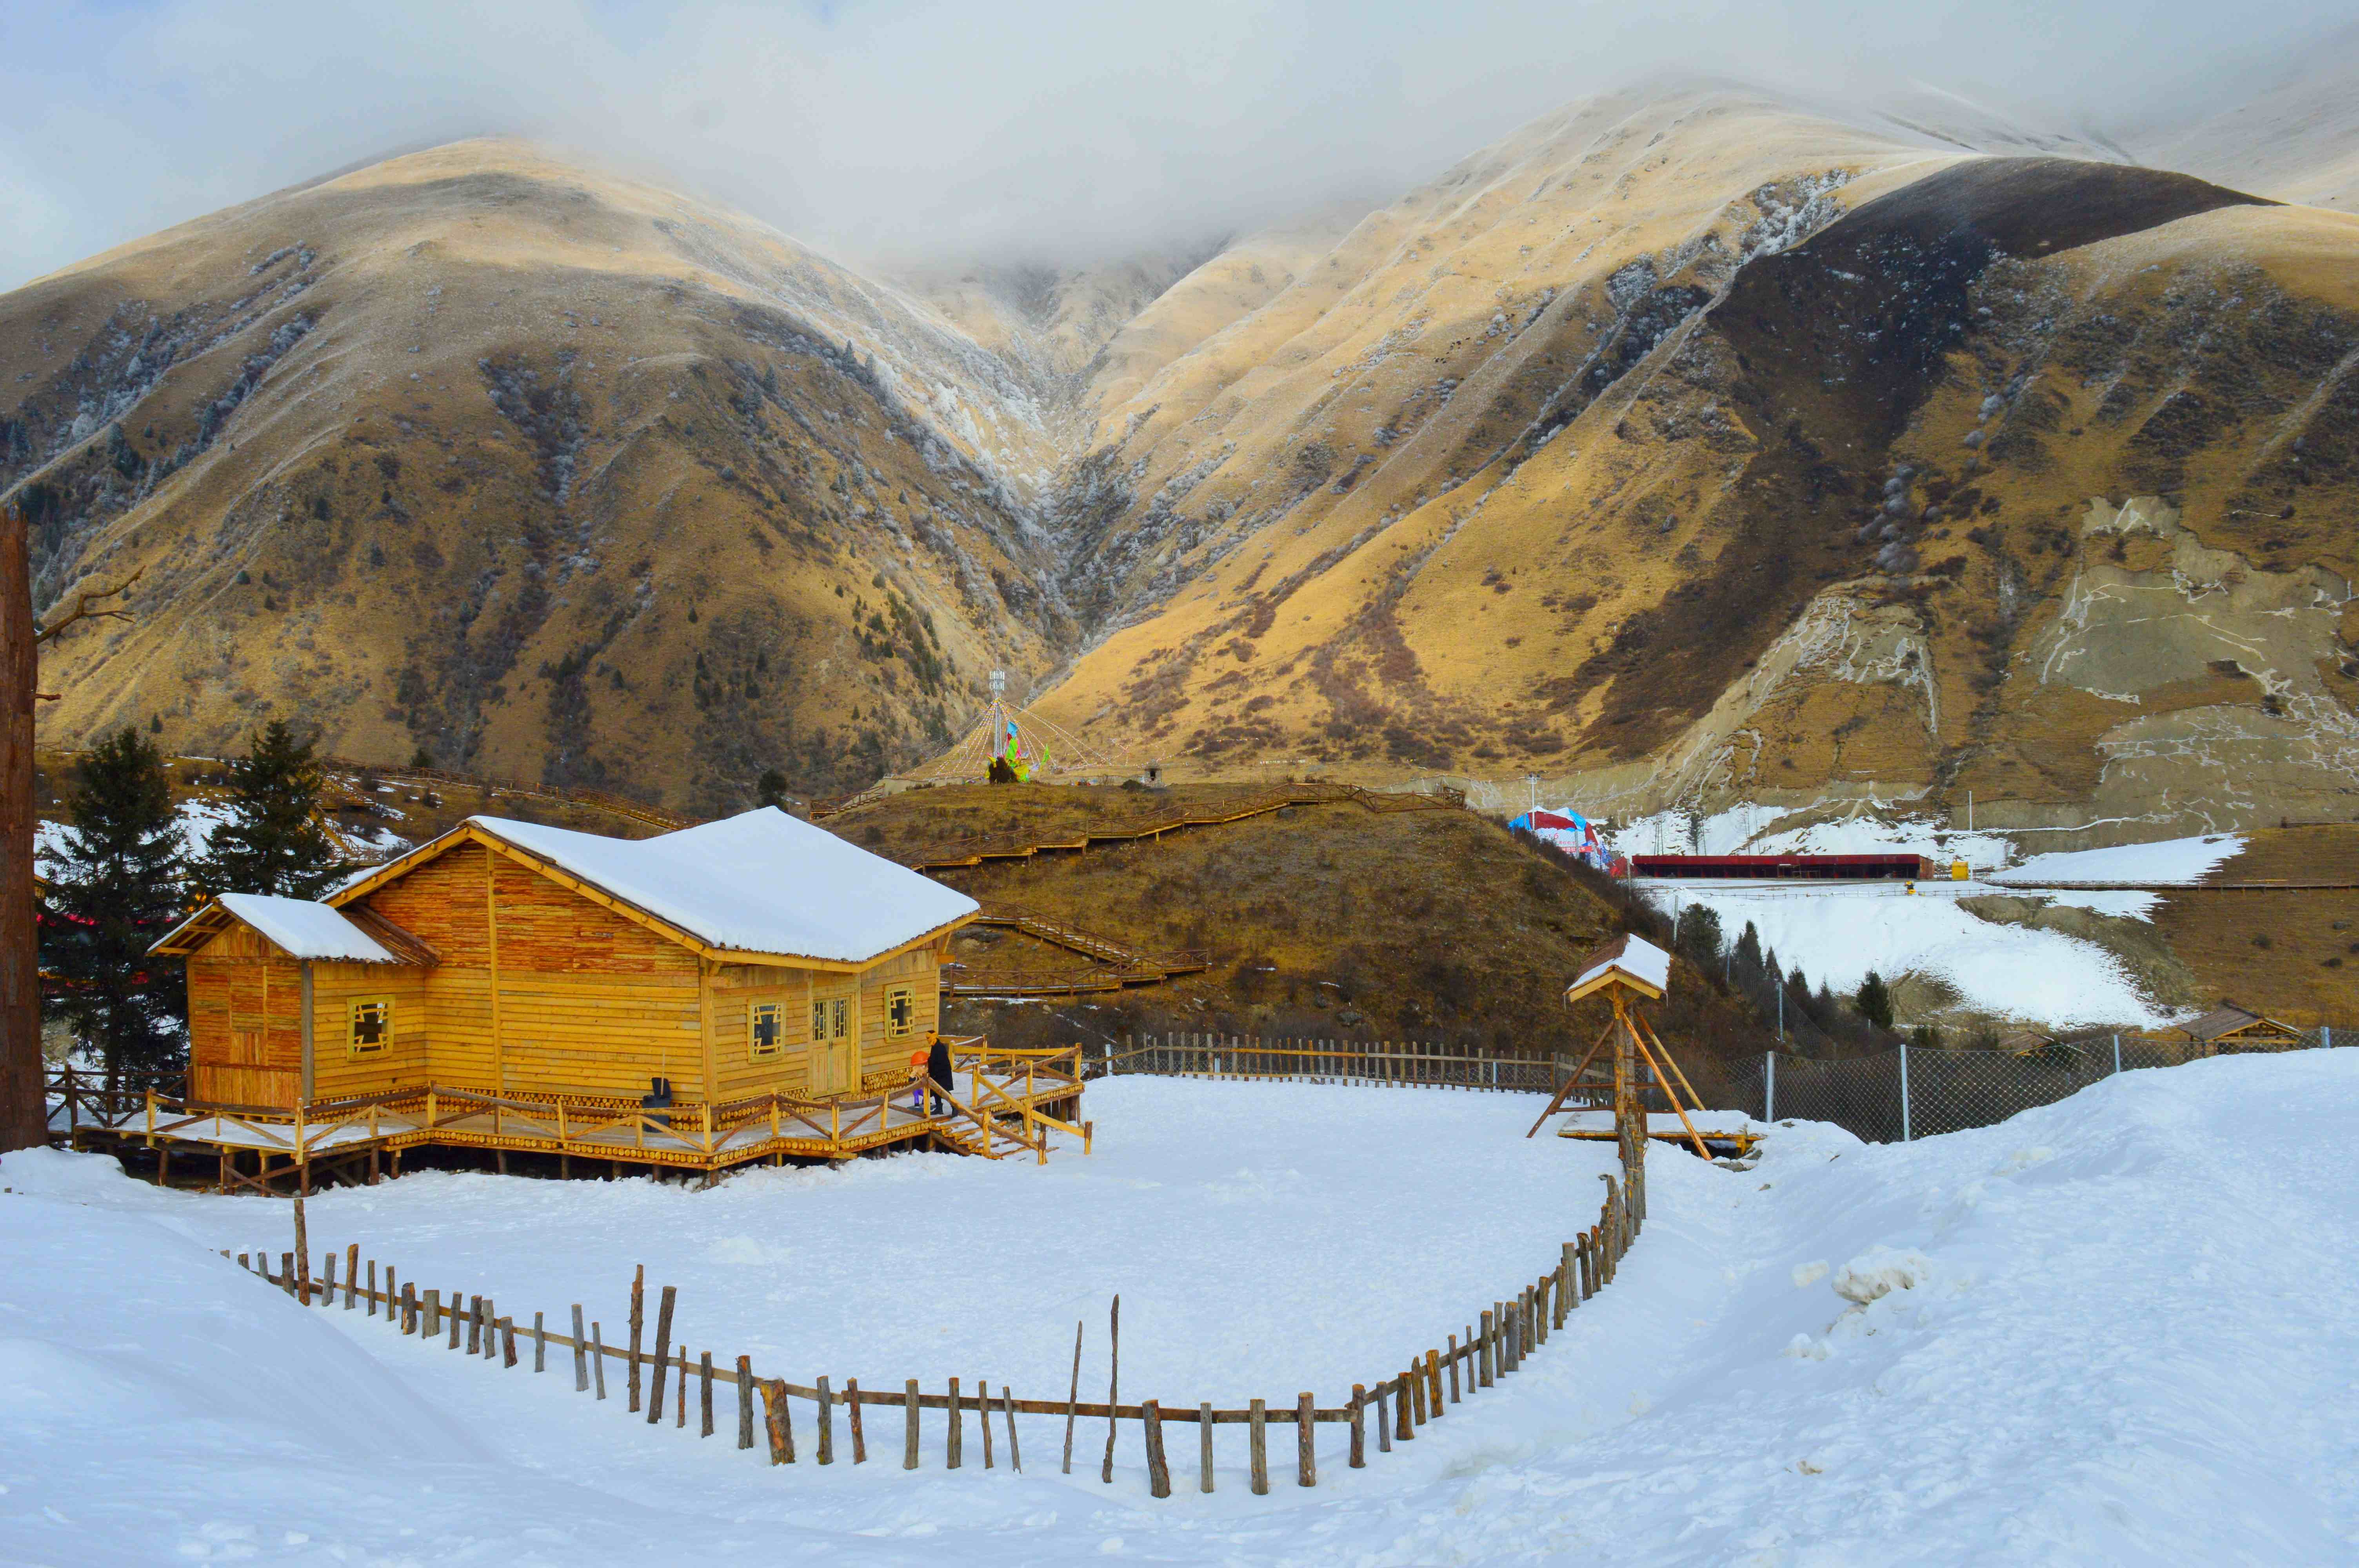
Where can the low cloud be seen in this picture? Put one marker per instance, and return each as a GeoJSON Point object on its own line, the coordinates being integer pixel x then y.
{"type": "Point", "coordinates": [1044, 130]}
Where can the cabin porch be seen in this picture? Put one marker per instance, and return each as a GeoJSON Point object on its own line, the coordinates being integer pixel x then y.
{"type": "Point", "coordinates": [1002, 1103]}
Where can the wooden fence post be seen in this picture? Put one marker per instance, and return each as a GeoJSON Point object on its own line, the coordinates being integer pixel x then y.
{"type": "Point", "coordinates": [1484, 1363]}
{"type": "Point", "coordinates": [953, 1451]}
{"type": "Point", "coordinates": [1158, 1474]}
{"type": "Point", "coordinates": [1433, 1381]}
{"type": "Point", "coordinates": [744, 1402]}
{"type": "Point", "coordinates": [1359, 1426]}
{"type": "Point", "coordinates": [852, 1418]}
{"type": "Point", "coordinates": [581, 1356]}
{"type": "Point", "coordinates": [1257, 1434]}
{"type": "Point", "coordinates": [1383, 1423]}
{"type": "Point", "coordinates": [1455, 1398]}
{"type": "Point", "coordinates": [909, 1427]}
{"type": "Point", "coordinates": [598, 1360]}
{"type": "Point", "coordinates": [982, 1416]}
{"type": "Point", "coordinates": [638, 1315]}
{"type": "Point", "coordinates": [539, 1345]}
{"type": "Point", "coordinates": [1306, 1445]}
{"type": "Point", "coordinates": [826, 1423]}
{"type": "Point", "coordinates": [1007, 1406]}
{"type": "Point", "coordinates": [432, 1327]}
{"type": "Point", "coordinates": [663, 1354]}
{"type": "Point", "coordinates": [352, 1273]}
{"type": "Point", "coordinates": [704, 1377]}
{"type": "Point", "coordinates": [372, 1291]}
{"type": "Point", "coordinates": [781, 1422]}
{"type": "Point", "coordinates": [1568, 1286]}
{"type": "Point", "coordinates": [1204, 1447]}
{"type": "Point", "coordinates": [1404, 1419]}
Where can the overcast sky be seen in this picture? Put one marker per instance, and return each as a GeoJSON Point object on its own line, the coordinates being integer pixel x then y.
{"type": "Point", "coordinates": [1026, 126]}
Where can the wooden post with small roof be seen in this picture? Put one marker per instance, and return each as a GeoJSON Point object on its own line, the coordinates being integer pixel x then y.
{"type": "Point", "coordinates": [1626, 971]}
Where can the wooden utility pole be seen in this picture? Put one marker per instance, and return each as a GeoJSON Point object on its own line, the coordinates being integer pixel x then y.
{"type": "Point", "coordinates": [24, 1118]}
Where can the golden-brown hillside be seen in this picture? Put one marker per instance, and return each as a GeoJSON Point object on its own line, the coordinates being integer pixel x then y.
{"type": "Point", "coordinates": [1688, 447]}
{"type": "Point", "coordinates": [553, 474]}
{"type": "Point", "coordinates": [1690, 443]}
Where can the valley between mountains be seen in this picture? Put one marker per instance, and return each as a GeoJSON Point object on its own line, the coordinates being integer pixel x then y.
{"type": "Point", "coordinates": [1691, 444]}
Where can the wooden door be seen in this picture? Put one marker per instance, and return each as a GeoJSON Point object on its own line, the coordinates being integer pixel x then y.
{"type": "Point", "coordinates": [834, 1061]}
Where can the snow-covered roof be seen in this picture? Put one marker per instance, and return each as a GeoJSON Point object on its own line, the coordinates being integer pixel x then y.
{"type": "Point", "coordinates": [301, 928]}
{"type": "Point", "coordinates": [1638, 958]}
{"type": "Point", "coordinates": [759, 882]}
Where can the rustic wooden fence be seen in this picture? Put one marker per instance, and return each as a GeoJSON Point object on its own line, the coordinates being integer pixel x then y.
{"type": "Point", "coordinates": [1491, 1348]}
{"type": "Point", "coordinates": [1405, 1063]}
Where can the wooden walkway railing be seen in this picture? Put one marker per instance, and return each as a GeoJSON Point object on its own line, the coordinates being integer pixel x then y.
{"type": "Point", "coordinates": [1112, 967]}
{"type": "Point", "coordinates": [1421, 1391]}
{"type": "Point", "coordinates": [1155, 822]}
{"type": "Point", "coordinates": [1001, 1112]}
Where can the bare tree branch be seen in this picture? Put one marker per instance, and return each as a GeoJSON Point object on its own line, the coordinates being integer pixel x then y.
{"type": "Point", "coordinates": [82, 610]}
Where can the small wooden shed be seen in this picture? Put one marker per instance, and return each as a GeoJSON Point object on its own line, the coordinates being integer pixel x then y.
{"type": "Point", "coordinates": [757, 955]}
{"type": "Point", "coordinates": [2229, 1027]}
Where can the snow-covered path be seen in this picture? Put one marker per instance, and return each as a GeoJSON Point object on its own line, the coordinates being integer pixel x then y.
{"type": "Point", "coordinates": [2119, 1333]}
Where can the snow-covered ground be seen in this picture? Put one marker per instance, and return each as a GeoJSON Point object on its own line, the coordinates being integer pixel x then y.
{"type": "Point", "coordinates": [2113, 1330]}
{"type": "Point", "coordinates": [2179, 860]}
{"type": "Point", "coordinates": [1836, 932]}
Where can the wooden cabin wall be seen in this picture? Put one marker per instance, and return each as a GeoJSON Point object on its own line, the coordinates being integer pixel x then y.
{"type": "Point", "coordinates": [335, 1072]}
{"type": "Point", "coordinates": [734, 990]}
{"type": "Point", "coordinates": [919, 970]}
{"type": "Point", "coordinates": [590, 1002]}
{"type": "Point", "coordinates": [246, 1022]}
{"type": "Point", "coordinates": [442, 904]}
{"type": "Point", "coordinates": [738, 988]}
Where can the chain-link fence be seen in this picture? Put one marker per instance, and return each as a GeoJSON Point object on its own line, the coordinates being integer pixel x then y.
{"type": "Point", "coordinates": [1916, 1092]}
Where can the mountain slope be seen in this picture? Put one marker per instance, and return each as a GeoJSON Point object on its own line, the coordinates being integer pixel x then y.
{"type": "Point", "coordinates": [1612, 456]}
{"type": "Point", "coordinates": [1693, 443]}
{"type": "Point", "coordinates": [554, 474]}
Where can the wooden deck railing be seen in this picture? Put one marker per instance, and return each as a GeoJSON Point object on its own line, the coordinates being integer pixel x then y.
{"type": "Point", "coordinates": [1000, 1111]}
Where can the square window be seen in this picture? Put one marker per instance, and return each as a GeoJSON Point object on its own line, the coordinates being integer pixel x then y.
{"type": "Point", "coordinates": [767, 1032]}
{"type": "Point", "coordinates": [901, 1011]}
{"type": "Point", "coordinates": [372, 1027]}
{"type": "Point", "coordinates": [818, 1020]}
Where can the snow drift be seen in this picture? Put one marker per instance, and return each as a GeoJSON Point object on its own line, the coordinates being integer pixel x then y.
{"type": "Point", "coordinates": [2111, 1330]}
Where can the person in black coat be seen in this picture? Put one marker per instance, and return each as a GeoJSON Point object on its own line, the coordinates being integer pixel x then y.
{"type": "Point", "coordinates": [938, 1068]}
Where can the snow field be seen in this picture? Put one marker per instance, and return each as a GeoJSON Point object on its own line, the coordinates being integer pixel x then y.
{"type": "Point", "coordinates": [1836, 932]}
{"type": "Point", "coordinates": [2111, 1330]}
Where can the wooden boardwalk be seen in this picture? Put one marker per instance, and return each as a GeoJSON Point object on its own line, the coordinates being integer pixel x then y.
{"type": "Point", "coordinates": [1002, 1103]}
{"type": "Point", "coordinates": [1112, 967]}
{"type": "Point", "coordinates": [1153, 823]}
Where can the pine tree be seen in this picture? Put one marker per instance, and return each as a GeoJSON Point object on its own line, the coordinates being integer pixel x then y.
{"type": "Point", "coordinates": [273, 842]}
{"type": "Point", "coordinates": [115, 891]}
{"type": "Point", "coordinates": [1748, 951]}
{"type": "Point", "coordinates": [1873, 1001]}
{"type": "Point", "coordinates": [770, 789]}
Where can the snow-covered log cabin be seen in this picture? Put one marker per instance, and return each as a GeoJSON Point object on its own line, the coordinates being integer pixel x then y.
{"type": "Point", "coordinates": [749, 956]}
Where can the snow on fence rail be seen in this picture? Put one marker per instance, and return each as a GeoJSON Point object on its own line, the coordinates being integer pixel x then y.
{"type": "Point", "coordinates": [1420, 1392]}
{"type": "Point", "coordinates": [1390, 1062]}
{"type": "Point", "coordinates": [1918, 1091]}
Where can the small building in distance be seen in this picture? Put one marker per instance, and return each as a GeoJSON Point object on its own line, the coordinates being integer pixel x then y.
{"type": "Point", "coordinates": [753, 956]}
{"type": "Point", "coordinates": [2229, 1028]}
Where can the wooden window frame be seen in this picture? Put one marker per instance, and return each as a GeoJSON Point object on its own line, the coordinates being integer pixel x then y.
{"type": "Point", "coordinates": [904, 1028]}
{"type": "Point", "coordinates": [755, 1050]}
{"type": "Point", "coordinates": [354, 1049]}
